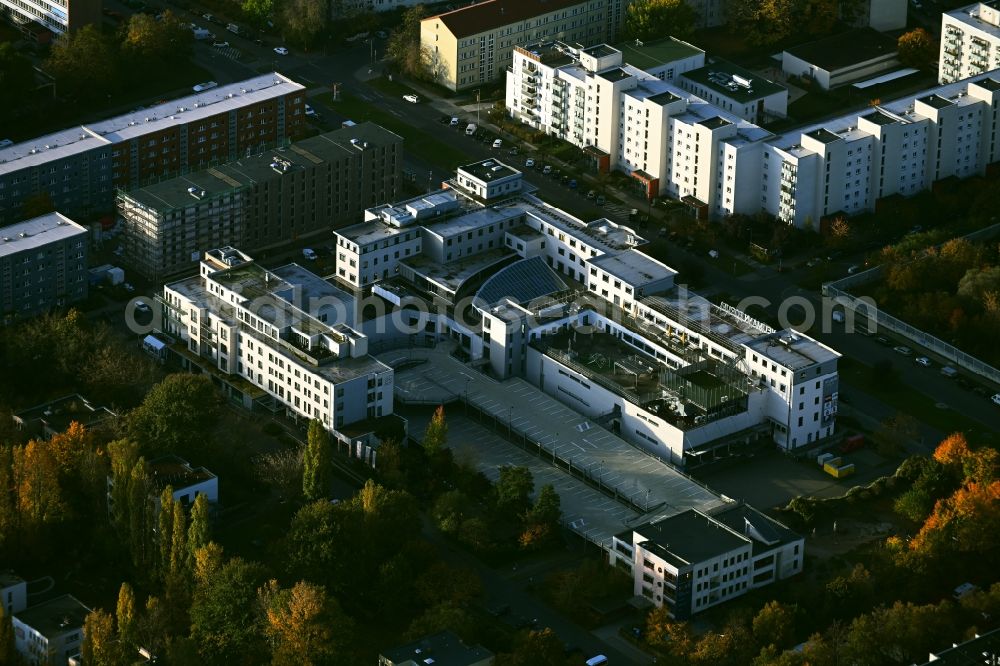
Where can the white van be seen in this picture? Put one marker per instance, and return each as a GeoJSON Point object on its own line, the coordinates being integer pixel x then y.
{"type": "Point", "coordinates": [497, 143]}
{"type": "Point", "coordinates": [470, 129]}
{"type": "Point", "coordinates": [309, 254]}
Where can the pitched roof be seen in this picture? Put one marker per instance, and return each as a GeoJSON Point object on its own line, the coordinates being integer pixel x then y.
{"type": "Point", "coordinates": [477, 18]}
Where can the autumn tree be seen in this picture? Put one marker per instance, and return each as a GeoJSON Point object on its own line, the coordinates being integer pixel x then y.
{"type": "Point", "coordinates": [177, 416]}
{"type": "Point", "coordinates": [124, 454]}
{"type": "Point", "coordinates": [304, 626]}
{"type": "Point", "coordinates": [916, 48]}
{"type": "Point", "coordinates": [283, 470]}
{"type": "Point", "coordinates": [100, 646]}
{"type": "Point", "coordinates": [200, 531]}
{"type": "Point", "coordinates": [9, 518]}
{"type": "Point", "coordinates": [303, 21]}
{"type": "Point", "coordinates": [513, 488]}
{"type": "Point", "coordinates": [839, 233]}
{"type": "Point", "coordinates": [536, 648]}
{"type": "Point", "coordinates": [165, 530]}
{"type": "Point", "coordinates": [140, 518]}
{"type": "Point", "coordinates": [257, 11]}
{"type": "Point", "coordinates": [664, 632]}
{"type": "Point", "coordinates": [224, 616]}
{"type": "Point", "coordinates": [84, 64]}
{"type": "Point", "coordinates": [317, 463]}
{"type": "Point", "coordinates": [126, 618]}
{"type": "Point", "coordinates": [404, 49]}
{"type": "Point", "coordinates": [436, 434]}
{"type": "Point", "coordinates": [151, 40]}
{"type": "Point", "coordinates": [39, 496]}
{"type": "Point", "coordinates": [774, 624]}
{"type": "Point", "coordinates": [7, 643]}
{"type": "Point", "coordinates": [654, 19]}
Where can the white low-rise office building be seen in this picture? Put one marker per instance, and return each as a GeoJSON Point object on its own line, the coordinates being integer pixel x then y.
{"type": "Point", "coordinates": [970, 41]}
{"type": "Point", "coordinates": [49, 633]}
{"type": "Point", "coordinates": [284, 333]}
{"type": "Point", "coordinates": [579, 310]}
{"type": "Point", "coordinates": [693, 561]}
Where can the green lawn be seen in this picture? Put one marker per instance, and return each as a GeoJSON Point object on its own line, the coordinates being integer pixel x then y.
{"type": "Point", "coordinates": [425, 145]}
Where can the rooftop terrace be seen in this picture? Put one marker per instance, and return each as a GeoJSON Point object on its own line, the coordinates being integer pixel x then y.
{"type": "Point", "coordinates": [733, 81]}
{"type": "Point", "coordinates": [650, 54]}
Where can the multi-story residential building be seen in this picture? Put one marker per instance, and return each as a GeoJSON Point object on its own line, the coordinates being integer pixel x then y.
{"type": "Point", "coordinates": [670, 140]}
{"type": "Point", "coordinates": [693, 561]}
{"type": "Point", "coordinates": [278, 337]}
{"type": "Point", "coordinates": [970, 41]}
{"type": "Point", "coordinates": [48, 634]}
{"type": "Point", "coordinates": [473, 45]}
{"type": "Point", "coordinates": [513, 280]}
{"type": "Point", "coordinates": [82, 168]}
{"type": "Point", "coordinates": [59, 16]}
{"type": "Point", "coordinates": [305, 189]}
{"type": "Point", "coordinates": [846, 165]}
{"type": "Point", "coordinates": [43, 264]}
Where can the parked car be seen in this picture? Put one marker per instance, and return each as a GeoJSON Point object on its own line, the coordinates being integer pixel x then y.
{"type": "Point", "coordinates": [411, 98]}
{"type": "Point", "coordinates": [220, 45]}
{"type": "Point", "coordinates": [572, 184]}
{"type": "Point", "coordinates": [497, 143]}
{"type": "Point", "coordinates": [207, 85]}
{"type": "Point", "coordinates": [528, 163]}
{"type": "Point", "coordinates": [311, 112]}
{"type": "Point", "coordinates": [600, 200]}
{"type": "Point", "coordinates": [923, 360]}
{"type": "Point", "coordinates": [854, 269]}
{"type": "Point", "coordinates": [884, 341]}
{"type": "Point", "coordinates": [453, 122]}
{"type": "Point", "coordinates": [591, 194]}
{"type": "Point", "coordinates": [949, 371]}
{"type": "Point", "coordinates": [996, 399]}
{"type": "Point", "coordinates": [281, 50]}
{"type": "Point", "coordinates": [547, 169]}
{"type": "Point", "coordinates": [905, 351]}
{"type": "Point", "coordinates": [309, 254]}
{"type": "Point", "coordinates": [382, 34]}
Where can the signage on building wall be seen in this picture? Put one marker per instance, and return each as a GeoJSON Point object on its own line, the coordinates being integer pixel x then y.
{"type": "Point", "coordinates": [736, 313]}
{"type": "Point", "coordinates": [830, 393]}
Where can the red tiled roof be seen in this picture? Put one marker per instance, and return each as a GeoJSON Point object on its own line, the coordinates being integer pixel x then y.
{"type": "Point", "coordinates": [484, 16]}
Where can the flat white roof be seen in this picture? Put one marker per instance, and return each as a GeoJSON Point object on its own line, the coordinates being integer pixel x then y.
{"type": "Point", "coordinates": [80, 139]}
{"type": "Point", "coordinates": [36, 232]}
{"type": "Point", "coordinates": [633, 267]}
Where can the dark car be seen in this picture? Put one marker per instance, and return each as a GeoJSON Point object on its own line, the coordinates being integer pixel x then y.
{"type": "Point", "coordinates": [884, 341]}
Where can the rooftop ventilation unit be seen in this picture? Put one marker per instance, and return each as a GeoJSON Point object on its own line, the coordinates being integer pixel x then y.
{"type": "Point", "coordinates": [197, 193]}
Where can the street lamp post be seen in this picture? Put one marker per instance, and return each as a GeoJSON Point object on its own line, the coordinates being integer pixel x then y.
{"type": "Point", "coordinates": [477, 106]}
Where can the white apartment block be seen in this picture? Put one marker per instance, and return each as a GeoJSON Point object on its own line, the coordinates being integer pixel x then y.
{"type": "Point", "coordinates": [673, 142]}
{"type": "Point", "coordinates": [693, 561]}
{"type": "Point", "coordinates": [845, 165]}
{"type": "Point", "coordinates": [970, 42]}
{"type": "Point", "coordinates": [49, 633]}
{"type": "Point", "coordinates": [677, 376]}
{"type": "Point", "coordinates": [473, 45]}
{"type": "Point", "coordinates": [286, 332]}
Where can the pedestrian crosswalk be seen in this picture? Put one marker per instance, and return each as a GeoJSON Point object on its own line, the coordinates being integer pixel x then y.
{"type": "Point", "coordinates": [230, 52]}
{"type": "Point", "coordinates": [617, 212]}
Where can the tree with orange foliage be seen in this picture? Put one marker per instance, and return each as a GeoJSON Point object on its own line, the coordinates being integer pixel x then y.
{"type": "Point", "coordinates": [953, 451]}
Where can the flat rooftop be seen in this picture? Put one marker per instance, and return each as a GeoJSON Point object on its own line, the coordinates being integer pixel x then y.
{"type": "Point", "coordinates": [823, 135]}
{"type": "Point", "coordinates": [246, 172]}
{"type": "Point", "coordinates": [650, 54]}
{"type": "Point", "coordinates": [880, 118]}
{"type": "Point", "coordinates": [935, 101]}
{"type": "Point", "coordinates": [970, 16]}
{"type": "Point", "coordinates": [764, 531]}
{"type": "Point", "coordinates": [174, 471]}
{"type": "Point", "coordinates": [845, 49]}
{"type": "Point", "coordinates": [59, 413]}
{"type": "Point", "coordinates": [732, 81]}
{"type": "Point", "coordinates": [634, 267]}
{"type": "Point", "coordinates": [689, 538]}
{"type": "Point", "coordinates": [9, 579]}
{"type": "Point", "coordinates": [55, 617]}
{"type": "Point", "coordinates": [444, 648]}
{"type": "Point", "coordinates": [792, 349]}
{"type": "Point", "coordinates": [550, 53]}
{"type": "Point", "coordinates": [714, 122]}
{"type": "Point", "coordinates": [489, 170]}
{"type": "Point", "coordinates": [979, 651]}
{"type": "Point", "coordinates": [453, 275]}
{"type": "Point", "coordinates": [615, 74]}
{"type": "Point", "coordinates": [485, 16]}
{"type": "Point", "coordinates": [37, 232]}
{"type": "Point", "coordinates": [190, 108]}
